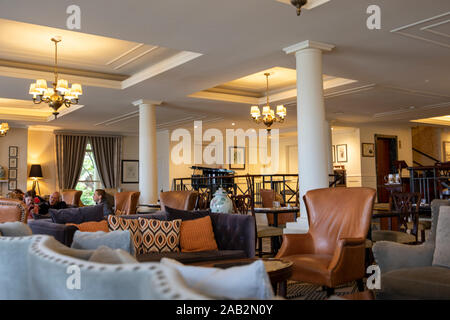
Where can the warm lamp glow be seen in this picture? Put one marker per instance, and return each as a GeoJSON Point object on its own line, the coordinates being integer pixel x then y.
{"type": "Point", "coordinates": [48, 93]}
{"type": "Point", "coordinates": [62, 86]}
{"type": "Point", "coordinates": [76, 89]}
{"type": "Point", "coordinates": [266, 110]}
{"type": "Point", "coordinates": [33, 89]}
{"type": "Point", "coordinates": [255, 112]}
{"type": "Point", "coordinates": [41, 85]}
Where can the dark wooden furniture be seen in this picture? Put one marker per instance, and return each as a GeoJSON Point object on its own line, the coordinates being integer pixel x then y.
{"type": "Point", "coordinates": [278, 211]}
{"type": "Point", "coordinates": [279, 270]}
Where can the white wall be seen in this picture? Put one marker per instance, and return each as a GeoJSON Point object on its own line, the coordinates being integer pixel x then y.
{"type": "Point", "coordinates": [351, 138]}
{"type": "Point", "coordinates": [15, 137]}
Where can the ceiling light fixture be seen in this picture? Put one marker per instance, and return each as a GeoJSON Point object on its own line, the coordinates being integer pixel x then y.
{"type": "Point", "coordinates": [60, 94]}
{"type": "Point", "coordinates": [298, 4]}
{"type": "Point", "coordinates": [268, 115]}
{"type": "Point", "coordinates": [4, 128]}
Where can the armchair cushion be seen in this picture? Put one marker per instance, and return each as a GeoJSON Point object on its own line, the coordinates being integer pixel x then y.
{"type": "Point", "coordinates": [415, 283]}
{"type": "Point", "coordinates": [441, 255]}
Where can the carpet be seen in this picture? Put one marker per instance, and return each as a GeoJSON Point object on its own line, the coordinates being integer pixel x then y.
{"type": "Point", "coordinates": [306, 291]}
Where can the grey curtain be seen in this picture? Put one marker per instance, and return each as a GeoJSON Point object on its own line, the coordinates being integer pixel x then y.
{"type": "Point", "coordinates": [70, 150]}
{"type": "Point", "coordinates": [107, 155]}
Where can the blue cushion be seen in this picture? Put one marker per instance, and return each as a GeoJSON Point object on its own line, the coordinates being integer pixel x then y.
{"type": "Point", "coordinates": [77, 215]}
{"type": "Point", "coordinates": [119, 239]}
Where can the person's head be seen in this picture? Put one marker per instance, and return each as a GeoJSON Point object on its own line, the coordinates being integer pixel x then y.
{"type": "Point", "coordinates": [55, 197]}
{"type": "Point", "coordinates": [29, 197]}
{"type": "Point", "coordinates": [99, 195]}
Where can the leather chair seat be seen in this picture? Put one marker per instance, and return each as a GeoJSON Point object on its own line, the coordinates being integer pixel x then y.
{"type": "Point", "coordinates": [394, 236]}
{"type": "Point", "coordinates": [312, 268]}
{"type": "Point", "coordinates": [267, 231]}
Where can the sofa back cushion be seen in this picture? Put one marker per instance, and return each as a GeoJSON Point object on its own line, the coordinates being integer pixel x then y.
{"type": "Point", "coordinates": [197, 235]}
{"type": "Point", "coordinates": [14, 229]}
{"type": "Point", "coordinates": [441, 255]}
{"type": "Point", "coordinates": [77, 215]}
{"type": "Point", "coordinates": [184, 215]}
{"type": "Point", "coordinates": [159, 236]}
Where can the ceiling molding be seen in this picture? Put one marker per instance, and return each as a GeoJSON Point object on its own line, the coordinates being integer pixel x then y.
{"type": "Point", "coordinates": [135, 58]}
{"type": "Point", "coordinates": [160, 67]}
{"type": "Point", "coordinates": [409, 110]}
{"type": "Point", "coordinates": [124, 54]}
{"type": "Point", "coordinates": [426, 33]}
{"type": "Point", "coordinates": [308, 44]}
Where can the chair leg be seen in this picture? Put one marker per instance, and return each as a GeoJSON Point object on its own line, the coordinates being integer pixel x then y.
{"type": "Point", "coordinates": [360, 284]}
{"type": "Point", "coordinates": [260, 247]}
{"type": "Point", "coordinates": [330, 292]}
{"type": "Point", "coordinates": [422, 235]}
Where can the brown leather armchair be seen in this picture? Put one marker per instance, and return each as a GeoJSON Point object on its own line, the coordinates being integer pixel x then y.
{"type": "Point", "coordinates": [125, 203]}
{"type": "Point", "coordinates": [332, 252]}
{"type": "Point", "coordinates": [181, 200]}
{"type": "Point", "coordinates": [72, 197]}
{"type": "Point", "coordinates": [12, 210]}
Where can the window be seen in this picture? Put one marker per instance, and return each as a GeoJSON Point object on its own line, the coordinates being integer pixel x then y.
{"type": "Point", "coordinates": [89, 179]}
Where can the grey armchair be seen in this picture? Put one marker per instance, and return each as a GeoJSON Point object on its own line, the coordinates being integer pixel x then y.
{"type": "Point", "coordinates": [407, 271]}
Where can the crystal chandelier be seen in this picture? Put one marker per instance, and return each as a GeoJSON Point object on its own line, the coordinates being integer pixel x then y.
{"type": "Point", "coordinates": [60, 94]}
{"type": "Point", "coordinates": [268, 115]}
{"type": "Point", "coordinates": [4, 128]}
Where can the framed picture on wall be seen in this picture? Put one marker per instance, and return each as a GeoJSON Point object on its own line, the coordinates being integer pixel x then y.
{"type": "Point", "coordinates": [12, 174]}
{"type": "Point", "coordinates": [237, 158]}
{"type": "Point", "coordinates": [446, 151]}
{"type": "Point", "coordinates": [368, 149]}
{"type": "Point", "coordinates": [13, 151]}
{"type": "Point", "coordinates": [130, 171]}
{"type": "Point", "coordinates": [341, 153]}
{"type": "Point", "coordinates": [333, 151]}
{"type": "Point", "coordinates": [13, 163]}
{"type": "Point", "coordinates": [12, 185]}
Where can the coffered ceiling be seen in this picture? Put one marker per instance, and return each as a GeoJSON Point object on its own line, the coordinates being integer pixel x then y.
{"type": "Point", "coordinates": [187, 54]}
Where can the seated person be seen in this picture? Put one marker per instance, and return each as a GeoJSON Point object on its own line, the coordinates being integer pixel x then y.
{"type": "Point", "coordinates": [100, 198]}
{"type": "Point", "coordinates": [55, 201]}
{"type": "Point", "coordinates": [35, 204]}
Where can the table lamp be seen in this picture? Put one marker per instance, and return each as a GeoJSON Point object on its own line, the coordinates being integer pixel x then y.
{"type": "Point", "coordinates": [35, 175]}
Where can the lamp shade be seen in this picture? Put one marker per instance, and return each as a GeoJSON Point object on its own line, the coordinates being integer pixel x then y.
{"type": "Point", "coordinates": [35, 171]}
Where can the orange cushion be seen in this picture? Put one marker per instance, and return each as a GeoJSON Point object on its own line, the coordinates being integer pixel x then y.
{"type": "Point", "coordinates": [197, 235]}
{"type": "Point", "coordinates": [91, 226]}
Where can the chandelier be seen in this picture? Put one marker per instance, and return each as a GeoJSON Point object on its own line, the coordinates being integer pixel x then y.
{"type": "Point", "coordinates": [298, 4]}
{"type": "Point", "coordinates": [4, 128]}
{"type": "Point", "coordinates": [59, 94]}
{"type": "Point", "coordinates": [268, 115]}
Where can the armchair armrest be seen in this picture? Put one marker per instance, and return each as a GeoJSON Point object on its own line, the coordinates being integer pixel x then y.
{"type": "Point", "coordinates": [61, 232]}
{"type": "Point", "coordinates": [348, 259]}
{"type": "Point", "coordinates": [391, 255]}
{"type": "Point", "coordinates": [296, 244]}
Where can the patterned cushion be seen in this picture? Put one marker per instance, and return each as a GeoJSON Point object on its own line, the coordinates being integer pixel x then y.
{"type": "Point", "coordinates": [118, 223]}
{"type": "Point", "coordinates": [159, 236]}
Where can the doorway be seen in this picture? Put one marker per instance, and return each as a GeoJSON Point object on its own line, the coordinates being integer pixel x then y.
{"type": "Point", "coordinates": [386, 153]}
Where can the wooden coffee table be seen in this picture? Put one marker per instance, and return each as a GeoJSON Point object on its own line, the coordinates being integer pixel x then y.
{"type": "Point", "coordinates": [279, 270]}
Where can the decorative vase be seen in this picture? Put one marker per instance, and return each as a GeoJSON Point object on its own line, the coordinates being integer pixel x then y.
{"type": "Point", "coordinates": [2, 173]}
{"type": "Point", "coordinates": [221, 203]}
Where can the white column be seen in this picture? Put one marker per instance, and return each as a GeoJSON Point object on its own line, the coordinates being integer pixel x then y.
{"type": "Point", "coordinates": [329, 134]}
{"type": "Point", "coordinates": [312, 128]}
{"type": "Point", "coordinates": [148, 164]}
